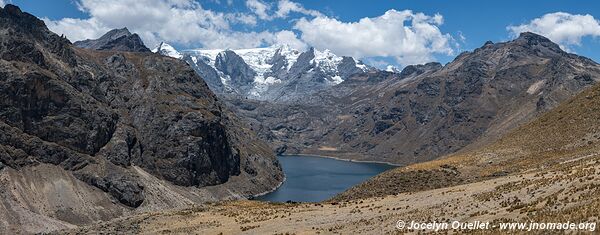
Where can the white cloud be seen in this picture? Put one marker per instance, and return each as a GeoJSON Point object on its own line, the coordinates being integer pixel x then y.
{"type": "Point", "coordinates": [462, 37]}
{"type": "Point", "coordinates": [241, 18]}
{"type": "Point", "coordinates": [259, 8]}
{"type": "Point", "coordinates": [77, 29]}
{"type": "Point", "coordinates": [284, 8]}
{"type": "Point", "coordinates": [289, 38]}
{"type": "Point", "coordinates": [2, 3]}
{"type": "Point", "coordinates": [560, 27]}
{"type": "Point", "coordinates": [176, 21]}
{"type": "Point", "coordinates": [386, 35]}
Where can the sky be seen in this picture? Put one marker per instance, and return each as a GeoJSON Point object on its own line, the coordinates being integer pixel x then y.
{"type": "Point", "coordinates": [379, 32]}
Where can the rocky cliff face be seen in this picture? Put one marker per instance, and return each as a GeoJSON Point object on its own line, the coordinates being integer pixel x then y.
{"type": "Point", "coordinates": [210, 75]}
{"type": "Point", "coordinates": [131, 128]}
{"type": "Point", "coordinates": [115, 40]}
{"type": "Point", "coordinates": [232, 65]}
{"type": "Point", "coordinates": [427, 111]}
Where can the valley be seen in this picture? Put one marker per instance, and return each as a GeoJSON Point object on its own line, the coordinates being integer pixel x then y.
{"type": "Point", "coordinates": [534, 173]}
{"type": "Point", "coordinates": [273, 133]}
{"type": "Point", "coordinates": [419, 114]}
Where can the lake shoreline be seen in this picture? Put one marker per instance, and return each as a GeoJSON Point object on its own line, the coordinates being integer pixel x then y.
{"type": "Point", "coordinates": [253, 197]}
{"type": "Point", "coordinates": [340, 159]}
{"type": "Point", "coordinates": [310, 178]}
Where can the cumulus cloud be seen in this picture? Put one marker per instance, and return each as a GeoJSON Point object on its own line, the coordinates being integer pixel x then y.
{"type": "Point", "coordinates": [560, 27]}
{"type": "Point", "coordinates": [176, 21]}
{"type": "Point", "coordinates": [408, 37]}
{"type": "Point", "coordinates": [2, 3]}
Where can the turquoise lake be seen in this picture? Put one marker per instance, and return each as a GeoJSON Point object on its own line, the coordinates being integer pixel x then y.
{"type": "Point", "coordinates": [314, 179]}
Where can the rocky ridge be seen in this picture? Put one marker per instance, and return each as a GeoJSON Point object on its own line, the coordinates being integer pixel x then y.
{"type": "Point", "coordinates": [117, 40]}
{"type": "Point", "coordinates": [89, 135]}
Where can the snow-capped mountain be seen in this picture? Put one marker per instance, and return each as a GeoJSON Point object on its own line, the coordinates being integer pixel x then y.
{"type": "Point", "coordinates": [166, 49]}
{"type": "Point", "coordinates": [271, 73]}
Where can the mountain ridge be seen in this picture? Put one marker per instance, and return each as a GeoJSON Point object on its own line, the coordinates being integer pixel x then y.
{"type": "Point", "coordinates": [273, 72]}
{"type": "Point", "coordinates": [90, 135]}
{"type": "Point", "coordinates": [117, 40]}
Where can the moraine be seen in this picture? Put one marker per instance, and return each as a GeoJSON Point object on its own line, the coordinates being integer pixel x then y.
{"type": "Point", "coordinates": [314, 179]}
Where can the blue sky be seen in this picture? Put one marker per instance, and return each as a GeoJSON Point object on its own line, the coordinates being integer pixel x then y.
{"type": "Point", "coordinates": [445, 28]}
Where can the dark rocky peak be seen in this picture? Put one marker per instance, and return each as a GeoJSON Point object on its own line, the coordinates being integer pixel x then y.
{"type": "Point", "coordinates": [26, 38]}
{"type": "Point", "coordinates": [234, 65]}
{"type": "Point", "coordinates": [488, 43]}
{"type": "Point", "coordinates": [526, 48]}
{"type": "Point", "coordinates": [228, 55]}
{"type": "Point", "coordinates": [303, 63]}
{"type": "Point", "coordinates": [13, 18]}
{"type": "Point", "coordinates": [307, 55]}
{"type": "Point", "coordinates": [348, 67]}
{"type": "Point", "coordinates": [532, 40]}
{"type": "Point", "coordinates": [277, 57]}
{"type": "Point", "coordinates": [116, 33]}
{"type": "Point", "coordinates": [115, 40]}
{"type": "Point", "coordinates": [280, 64]}
{"type": "Point", "coordinates": [414, 70]}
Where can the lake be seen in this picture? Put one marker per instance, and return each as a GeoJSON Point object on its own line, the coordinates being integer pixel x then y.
{"type": "Point", "coordinates": [314, 179]}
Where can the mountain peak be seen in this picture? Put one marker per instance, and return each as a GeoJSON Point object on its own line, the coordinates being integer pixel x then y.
{"type": "Point", "coordinates": [117, 33]}
{"type": "Point", "coordinates": [414, 70]}
{"type": "Point", "coordinates": [11, 16]}
{"type": "Point", "coordinates": [115, 40]}
{"type": "Point", "coordinates": [25, 29]}
{"type": "Point", "coordinates": [167, 50]}
{"type": "Point", "coordinates": [532, 39]}
{"type": "Point", "coordinates": [532, 36]}
{"type": "Point", "coordinates": [12, 9]}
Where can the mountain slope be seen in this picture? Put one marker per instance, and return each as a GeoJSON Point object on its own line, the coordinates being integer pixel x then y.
{"type": "Point", "coordinates": [569, 133]}
{"type": "Point", "coordinates": [115, 40]}
{"type": "Point", "coordinates": [427, 111]}
{"type": "Point", "coordinates": [90, 135]}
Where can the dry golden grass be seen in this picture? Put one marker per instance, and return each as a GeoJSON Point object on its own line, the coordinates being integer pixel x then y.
{"type": "Point", "coordinates": [327, 148]}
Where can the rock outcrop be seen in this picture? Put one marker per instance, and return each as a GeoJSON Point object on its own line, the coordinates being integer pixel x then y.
{"type": "Point", "coordinates": [121, 126]}
{"type": "Point", "coordinates": [232, 65]}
